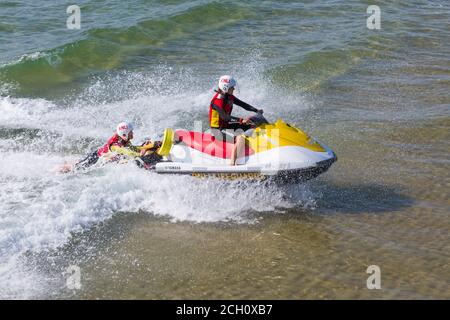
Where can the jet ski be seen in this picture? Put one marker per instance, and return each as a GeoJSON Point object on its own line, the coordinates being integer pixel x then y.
{"type": "Point", "coordinates": [277, 151]}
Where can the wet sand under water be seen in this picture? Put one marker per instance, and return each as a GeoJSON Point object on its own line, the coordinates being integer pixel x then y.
{"type": "Point", "coordinates": [291, 257]}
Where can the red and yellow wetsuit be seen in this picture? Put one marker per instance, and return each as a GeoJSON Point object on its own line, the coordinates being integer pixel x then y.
{"type": "Point", "coordinates": [121, 147]}
{"type": "Point", "coordinates": [220, 110]}
{"type": "Point", "coordinates": [116, 141]}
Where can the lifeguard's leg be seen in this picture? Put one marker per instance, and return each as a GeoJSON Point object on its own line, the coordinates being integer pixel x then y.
{"type": "Point", "coordinates": [238, 150]}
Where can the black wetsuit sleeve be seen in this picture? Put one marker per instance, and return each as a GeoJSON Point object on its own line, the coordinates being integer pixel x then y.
{"type": "Point", "coordinates": [90, 160]}
{"type": "Point", "coordinates": [225, 117]}
{"type": "Point", "coordinates": [244, 105]}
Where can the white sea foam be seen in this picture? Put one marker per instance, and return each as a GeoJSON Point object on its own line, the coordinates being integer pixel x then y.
{"type": "Point", "coordinates": [40, 209]}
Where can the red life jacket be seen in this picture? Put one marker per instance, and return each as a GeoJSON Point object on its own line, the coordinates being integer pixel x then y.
{"type": "Point", "coordinates": [214, 119]}
{"type": "Point", "coordinates": [115, 140]}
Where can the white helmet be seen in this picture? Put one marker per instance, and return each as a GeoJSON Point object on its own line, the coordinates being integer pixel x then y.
{"type": "Point", "coordinates": [226, 82]}
{"type": "Point", "coordinates": [123, 129]}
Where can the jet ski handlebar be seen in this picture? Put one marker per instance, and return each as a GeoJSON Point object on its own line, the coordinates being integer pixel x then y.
{"type": "Point", "coordinates": [257, 120]}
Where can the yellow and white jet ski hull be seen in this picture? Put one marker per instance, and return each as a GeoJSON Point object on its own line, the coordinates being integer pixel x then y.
{"type": "Point", "coordinates": [277, 151]}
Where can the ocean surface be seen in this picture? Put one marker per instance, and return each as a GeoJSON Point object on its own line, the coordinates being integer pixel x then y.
{"type": "Point", "coordinates": [379, 98]}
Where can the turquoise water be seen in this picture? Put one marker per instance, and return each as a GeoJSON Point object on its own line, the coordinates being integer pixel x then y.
{"type": "Point", "coordinates": [379, 98]}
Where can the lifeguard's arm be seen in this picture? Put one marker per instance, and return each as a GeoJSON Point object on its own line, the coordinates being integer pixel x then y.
{"type": "Point", "coordinates": [134, 148]}
{"type": "Point", "coordinates": [90, 160]}
{"type": "Point", "coordinates": [131, 151]}
{"type": "Point", "coordinates": [244, 105]}
{"type": "Point", "coordinates": [150, 146]}
{"type": "Point", "coordinates": [222, 114]}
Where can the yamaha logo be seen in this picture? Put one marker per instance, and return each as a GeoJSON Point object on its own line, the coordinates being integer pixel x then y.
{"type": "Point", "coordinates": [173, 168]}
